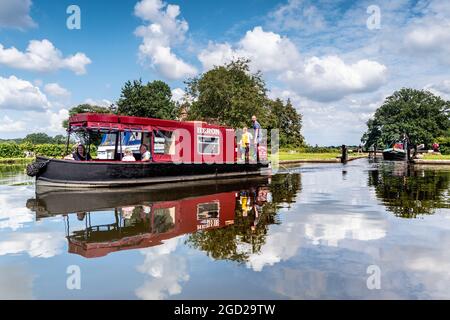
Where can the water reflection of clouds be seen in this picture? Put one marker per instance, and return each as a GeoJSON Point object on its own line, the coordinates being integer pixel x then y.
{"type": "Point", "coordinates": [13, 214]}
{"type": "Point", "coordinates": [334, 232]}
{"type": "Point", "coordinates": [39, 244]}
{"type": "Point", "coordinates": [165, 271]}
{"type": "Point", "coordinates": [324, 215]}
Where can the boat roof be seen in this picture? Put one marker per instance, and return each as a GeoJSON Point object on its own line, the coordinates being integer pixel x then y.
{"type": "Point", "coordinates": [118, 122]}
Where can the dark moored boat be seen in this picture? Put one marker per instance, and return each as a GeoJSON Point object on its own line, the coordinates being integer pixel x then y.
{"type": "Point", "coordinates": [396, 153]}
{"type": "Point", "coordinates": [181, 151]}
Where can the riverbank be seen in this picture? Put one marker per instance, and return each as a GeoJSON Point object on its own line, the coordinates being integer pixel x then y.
{"type": "Point", "coordinates": [433, 159]}
{"type": "Point", "coordinates": [287, 157]}
{"type": "Point", "coordinates": [15, 161]}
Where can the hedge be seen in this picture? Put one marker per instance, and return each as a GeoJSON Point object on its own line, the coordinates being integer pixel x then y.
{"type": "Point", "coordinates": [444, 144]}
{"type": "Point", "coordinates": [10, 150]}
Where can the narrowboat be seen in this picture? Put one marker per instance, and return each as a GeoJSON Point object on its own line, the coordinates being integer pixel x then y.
{"type": "Point", "coordinates": [180, 151]}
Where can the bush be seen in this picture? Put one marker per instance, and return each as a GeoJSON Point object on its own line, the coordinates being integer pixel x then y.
{"type": "Point", "coordinates": [50, 150]}
{"type": "Point", "coordinates": [10, 150]}
{"type": "Point", "coordinates": [444, 143]}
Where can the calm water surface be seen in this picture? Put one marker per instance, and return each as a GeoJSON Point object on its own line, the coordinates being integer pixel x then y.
{"type": "Point", "coordinates": [310, 233]}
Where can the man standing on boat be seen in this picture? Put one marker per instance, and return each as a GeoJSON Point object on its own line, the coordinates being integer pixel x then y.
{"type": "Point", "coordinates": [257, 137]}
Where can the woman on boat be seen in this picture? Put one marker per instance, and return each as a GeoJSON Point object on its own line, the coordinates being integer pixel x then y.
{"type": "Point", "coordinates": [129, 156]}
{"type": "Point", "coordinates": [80, 154]}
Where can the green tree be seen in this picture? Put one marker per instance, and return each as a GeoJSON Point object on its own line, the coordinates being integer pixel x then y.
{"type": "Point", "coordinates": [59, 139]}
{"type": "Point", "coordinates": [228, 95]}
{"type": "Point", "coordinates": [38, 138]}
{"type": "Point", "coordinates": [289, 122]}
{"type": "Point", "coordinates": [153, 100]}
{"type": "Point", "coordinates": [420, 114]}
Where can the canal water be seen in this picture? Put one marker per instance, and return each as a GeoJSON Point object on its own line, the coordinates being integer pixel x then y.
{"type": "Point", "coordinates": [361, 231]}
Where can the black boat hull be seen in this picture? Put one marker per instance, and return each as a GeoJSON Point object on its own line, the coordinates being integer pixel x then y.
{"type": "Point", "coordinates": [91, 174]}
{"type": "Point", "coordinates": [394, 156]}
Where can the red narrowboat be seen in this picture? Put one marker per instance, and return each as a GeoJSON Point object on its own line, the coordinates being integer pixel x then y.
{"type": "Point", "coordinates": [179, 151]}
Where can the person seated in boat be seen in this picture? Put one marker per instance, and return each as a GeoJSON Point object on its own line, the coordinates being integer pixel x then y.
{"type": "Point", "coordinates": [128, 156]}
{"type": "Point", "coordinates": [145, 154]}
{"type": "Point", "coordinates": [79, 155]}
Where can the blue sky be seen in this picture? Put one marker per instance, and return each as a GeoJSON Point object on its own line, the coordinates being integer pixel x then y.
{"type": "Point", "coordinates": [336, 60]}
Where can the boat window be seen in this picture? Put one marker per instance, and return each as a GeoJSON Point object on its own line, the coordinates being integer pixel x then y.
{"type": "Point", "coordinates": [208, 215]}
{"type": "Point", "coordinates": [164, 220]}
{"type": "Point", "coordinates": [108, 139]}
{"type": "Point", "coordinates": [208, 145]}
{"type": "Point", "coordinates": [164, 142]}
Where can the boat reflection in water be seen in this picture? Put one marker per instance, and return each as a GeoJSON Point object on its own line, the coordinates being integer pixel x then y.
{"type": "Point", "coordinates": [128, 219]}
{"type": "Point", "coordinates": [409, 191]}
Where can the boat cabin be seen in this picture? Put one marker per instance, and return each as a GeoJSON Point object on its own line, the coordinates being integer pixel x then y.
{"type": "Point", "coordinates": [167, 140]}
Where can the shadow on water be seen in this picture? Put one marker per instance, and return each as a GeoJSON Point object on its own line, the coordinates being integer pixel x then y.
{"type": "Point", "coordinates": [409, 191]}
{"type": "Point", "coordinates": [227, 219]}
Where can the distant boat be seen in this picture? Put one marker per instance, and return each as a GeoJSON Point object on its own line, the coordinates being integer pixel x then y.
{"type": "Point", "coordinates": [395, 153]}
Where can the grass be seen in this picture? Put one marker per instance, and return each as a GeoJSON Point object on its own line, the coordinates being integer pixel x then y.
{"type": "Point", "coordinates": [436, 156]}
{"type": "Point", "coordinates": [287, 156]}
{"type": "Point", "coordinates": [16, 160]}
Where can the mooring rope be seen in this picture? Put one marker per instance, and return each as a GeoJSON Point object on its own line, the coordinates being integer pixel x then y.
{"type": "Point", "coordinates": [33, 169]}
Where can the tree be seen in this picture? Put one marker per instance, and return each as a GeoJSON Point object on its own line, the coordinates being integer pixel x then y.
{"type": "Point", "coordinates": [228, 95]}
{"type": "Point", "coordinates": [59, 139]}
{"type": "Point", "coordinates": [289, 121]}
{"type": "Point", "coordinates": [153, 100]}
{"type": "Point", "coordinates": [38, 138]}
{"type": "Point", "coordinates": [420, 114]}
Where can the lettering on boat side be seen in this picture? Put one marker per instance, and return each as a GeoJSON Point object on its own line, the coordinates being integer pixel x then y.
{"type": "Point", "coordinates": [230, 309]}
{"type": "Point", "coordinates": [201, 130]}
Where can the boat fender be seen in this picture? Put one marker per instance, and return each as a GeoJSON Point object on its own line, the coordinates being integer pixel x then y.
{"type": "Point", "coordinates": [33, 169]}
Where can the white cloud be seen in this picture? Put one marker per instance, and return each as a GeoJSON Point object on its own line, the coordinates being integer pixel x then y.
{"type": "Point", "coordinates": [55, 90]}
{"type": "Point", "coordinates": [440, 88]}
{"type": "Point", "coordinates": [16, 14]}
{"type": "Point", "coordinates": [164, 30]}
{"type": "Point", "coordinates": [216, 54]}
{"type": "Point", "coordinates": [178, 94]}
{"type": "Point", "coordinates": [9, 125]}
{"type": "Point", "coordinates": [330, 78]}
{"type": "Point", "coordinates": [18, 94]}
{"type": "Point", "coordinates": [42, 56]}
{"type": "Point", "coordinates": [295, 15]}
{"type": "Point", "coordinates": [430, 39]}
{"type": "Point", "coordinates": [268, 51]}
{"type": "Point", "coordinates": [56, 119]}
{"type": "Point", "coordinates": [165, 271]}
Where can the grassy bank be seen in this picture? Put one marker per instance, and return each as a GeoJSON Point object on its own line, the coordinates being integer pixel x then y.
{"type": "Point", "coordinates": [15, 161]}
{"type": "Point", "coordinates": [289, 156]}
{"type": "Point", "coordinates": [436, 157]}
